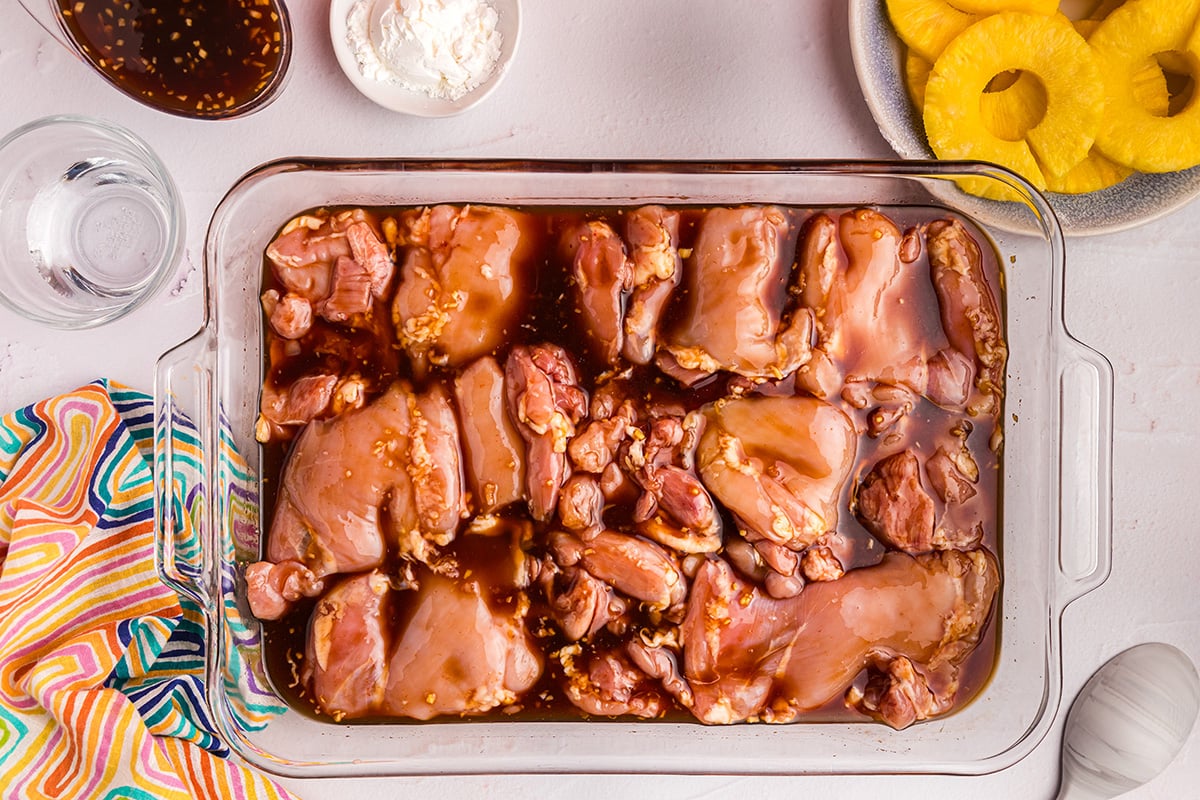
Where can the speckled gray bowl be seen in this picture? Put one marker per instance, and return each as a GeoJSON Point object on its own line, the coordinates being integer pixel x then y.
{"type": "Point", "coordinates": [879, 61]}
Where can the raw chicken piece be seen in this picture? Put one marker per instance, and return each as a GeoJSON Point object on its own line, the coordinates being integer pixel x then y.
{"type": "Point", "coordinates": [871, 308]}
{"type": "Point", "coordinates": [428, 509]}
{"type": "Point", "coordinates": [634, 567]}
{"type": "Point", "coordinates": [778, 463]}
{"type": "Point", "coordinates": [595, 446]}
{"type": "Point", "coordinates": [401, 450]}
{"type": "Point", "coordinates": [899, 694]}
{"type": "Point", "coordinates": [349, 291]}
{"type": "Point", "coordinates": [272, 588]}
{"type": "Point", "coordinates": [820, 564]}
{"type": "Point", "coordinates": [930, 609]}
{"type": "Point", "coordinates": [321, 373]}
{"type": "Point", "coordinates": [303, 255]}
{"type": "Point", "coordinates": [602, 275]}
{"type": "Point", "coordinates": [607, 683]}
{"type": "Point", "coordinates": [285, 410]}
{"type": "Point", "coordinates": [580, 603]}
{"type": "Point", "coordinates": [874, 317]}
{"type": "Point", "coordinates": [735, 291]}
{"type": "Point", "coordinates": [458, 653]}
{"type": "Point", "coordinates": [495, 454]}
{"type": "Point", "coordinates": [952, 484]}
{"type": "Point", "coordinates": [372, 254]}
{"type": "Point", "coordinates": [661, 460]}
{"type": "Point", "coordinates": [345, 662]}
{"type": "Point", "coordinates": [327, 517]}
{"type": "Point", "coordinates": [290, 316]}
{"type": "Point", "coordinates": [581, 505]}
{"type": "Point", "coordinates": [953, 474]}
{"type": "Point", "coordinates": [747, 654]}
{"type": "Point", "coordinates": [894, 506]}
{"type": "Point", "coordinates": [969, 312]}
{"type": "Point", "coordinates": [546, 403]}
{"type": "Point", "coordinates": [679, 538]}
{"type": "Point", "coordinates": [466, 275]}
{"type": "Point", "coordinates": [653, 236]}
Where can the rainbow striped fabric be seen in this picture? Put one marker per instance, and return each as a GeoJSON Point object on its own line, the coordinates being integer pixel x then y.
{"type": "Point", "coordinates": [101, 665]}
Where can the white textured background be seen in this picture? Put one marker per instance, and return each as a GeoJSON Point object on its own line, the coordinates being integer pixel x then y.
{"type": "Point", "coordinates": [680, 79]}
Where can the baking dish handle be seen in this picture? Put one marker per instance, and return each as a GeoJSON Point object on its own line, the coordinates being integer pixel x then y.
{"type": "Point", "coordinates": [1085, 471]}
{"type": "Point", "coordinates": [182, 459]}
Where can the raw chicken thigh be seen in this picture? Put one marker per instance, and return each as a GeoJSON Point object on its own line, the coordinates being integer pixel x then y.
{"type": "Point", "coordinates": [466, 276]}
{"type": "Point", "coordinates": [458, 653]}
{"type": "Point", "coordinates": [734, 292]}
{"type": "Point", "coordinates": [653, 235]}
{"type": "Point", "coordinates": [495, 454]}
{"type": "Point", "coordinates": [602, 275]}
{"type": "Point", "coordinates": [877, 341]}
{"type": "Point", "coordinates": [345, 662]}
{"type": "Point", "coordinates": [400, 452]}
{"type": "Point", "coordinates": [746, 654]}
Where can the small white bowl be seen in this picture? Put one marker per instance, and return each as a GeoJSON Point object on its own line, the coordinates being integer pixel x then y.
{"type": "Point", "coordinates": [397, 98]}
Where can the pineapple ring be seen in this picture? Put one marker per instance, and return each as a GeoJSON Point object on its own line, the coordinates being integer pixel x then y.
{"type": "Point", "coordinates": [1059, 58]}
{"type": "Point", "coordinates": [1131, 36]}
{"type": "Point", "coordinates": [927, 26]}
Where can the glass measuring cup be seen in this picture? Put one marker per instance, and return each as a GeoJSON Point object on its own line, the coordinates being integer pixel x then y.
{"type": "Point", "coordinates": [207, 59]}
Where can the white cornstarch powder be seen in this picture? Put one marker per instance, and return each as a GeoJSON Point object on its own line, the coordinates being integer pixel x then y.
{"type": "Point", "coordinates": [442, 48]}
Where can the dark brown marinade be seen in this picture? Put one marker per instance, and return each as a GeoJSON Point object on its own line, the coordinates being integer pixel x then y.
{"type": "Point", "coordinates": [551, 315]}
{"type": "Point", "coordinates": [195, 58]}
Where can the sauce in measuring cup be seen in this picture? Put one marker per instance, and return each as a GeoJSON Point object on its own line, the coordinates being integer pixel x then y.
{"type": "Point", "coordinates": [196, 58]}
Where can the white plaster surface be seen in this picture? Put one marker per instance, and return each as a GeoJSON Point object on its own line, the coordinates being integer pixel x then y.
{"type": "Point", "coordinates": [688, 79]}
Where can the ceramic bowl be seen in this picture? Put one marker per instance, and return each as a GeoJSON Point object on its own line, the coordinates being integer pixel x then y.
{"type": "Point", "coordinates": [397, 97]}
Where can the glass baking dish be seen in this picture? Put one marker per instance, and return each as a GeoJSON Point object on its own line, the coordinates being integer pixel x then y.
{"type": "Point", "coordinates": [1055, 504]}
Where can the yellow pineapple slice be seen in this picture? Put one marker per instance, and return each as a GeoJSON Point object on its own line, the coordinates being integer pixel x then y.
{"type": "Point", "coordinates": [1090, 175]}
{"type": "Point", "coordinates": [1149, 80]}
{"type": "Point", "coordinates": [1130, 133]}
{"type": "Point", "coordinates": [927, 26]}
{"type": "Point", "coordinates": [1010, 112]}
{"type": "Point", "coordinates": [916, 74]}
{"type": "Point", "coordinates": [996, 6]}
{"type": "Point", "coordinates": [1050, 49]}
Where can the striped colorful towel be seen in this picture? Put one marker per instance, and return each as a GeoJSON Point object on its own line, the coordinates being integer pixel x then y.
{"type": "Point", "coordinates": [101, 665]}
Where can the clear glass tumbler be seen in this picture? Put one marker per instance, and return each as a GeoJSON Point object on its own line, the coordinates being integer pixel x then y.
{"type": "Point", "coordinates": [90, 221]}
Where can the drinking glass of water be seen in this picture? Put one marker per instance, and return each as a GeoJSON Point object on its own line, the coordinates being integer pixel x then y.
{"type": "Point", "coordinates": [90, 221]}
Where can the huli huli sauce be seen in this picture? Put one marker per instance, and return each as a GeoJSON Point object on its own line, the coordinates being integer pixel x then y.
{"type": "Point", "coordinates": [196, 58]}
